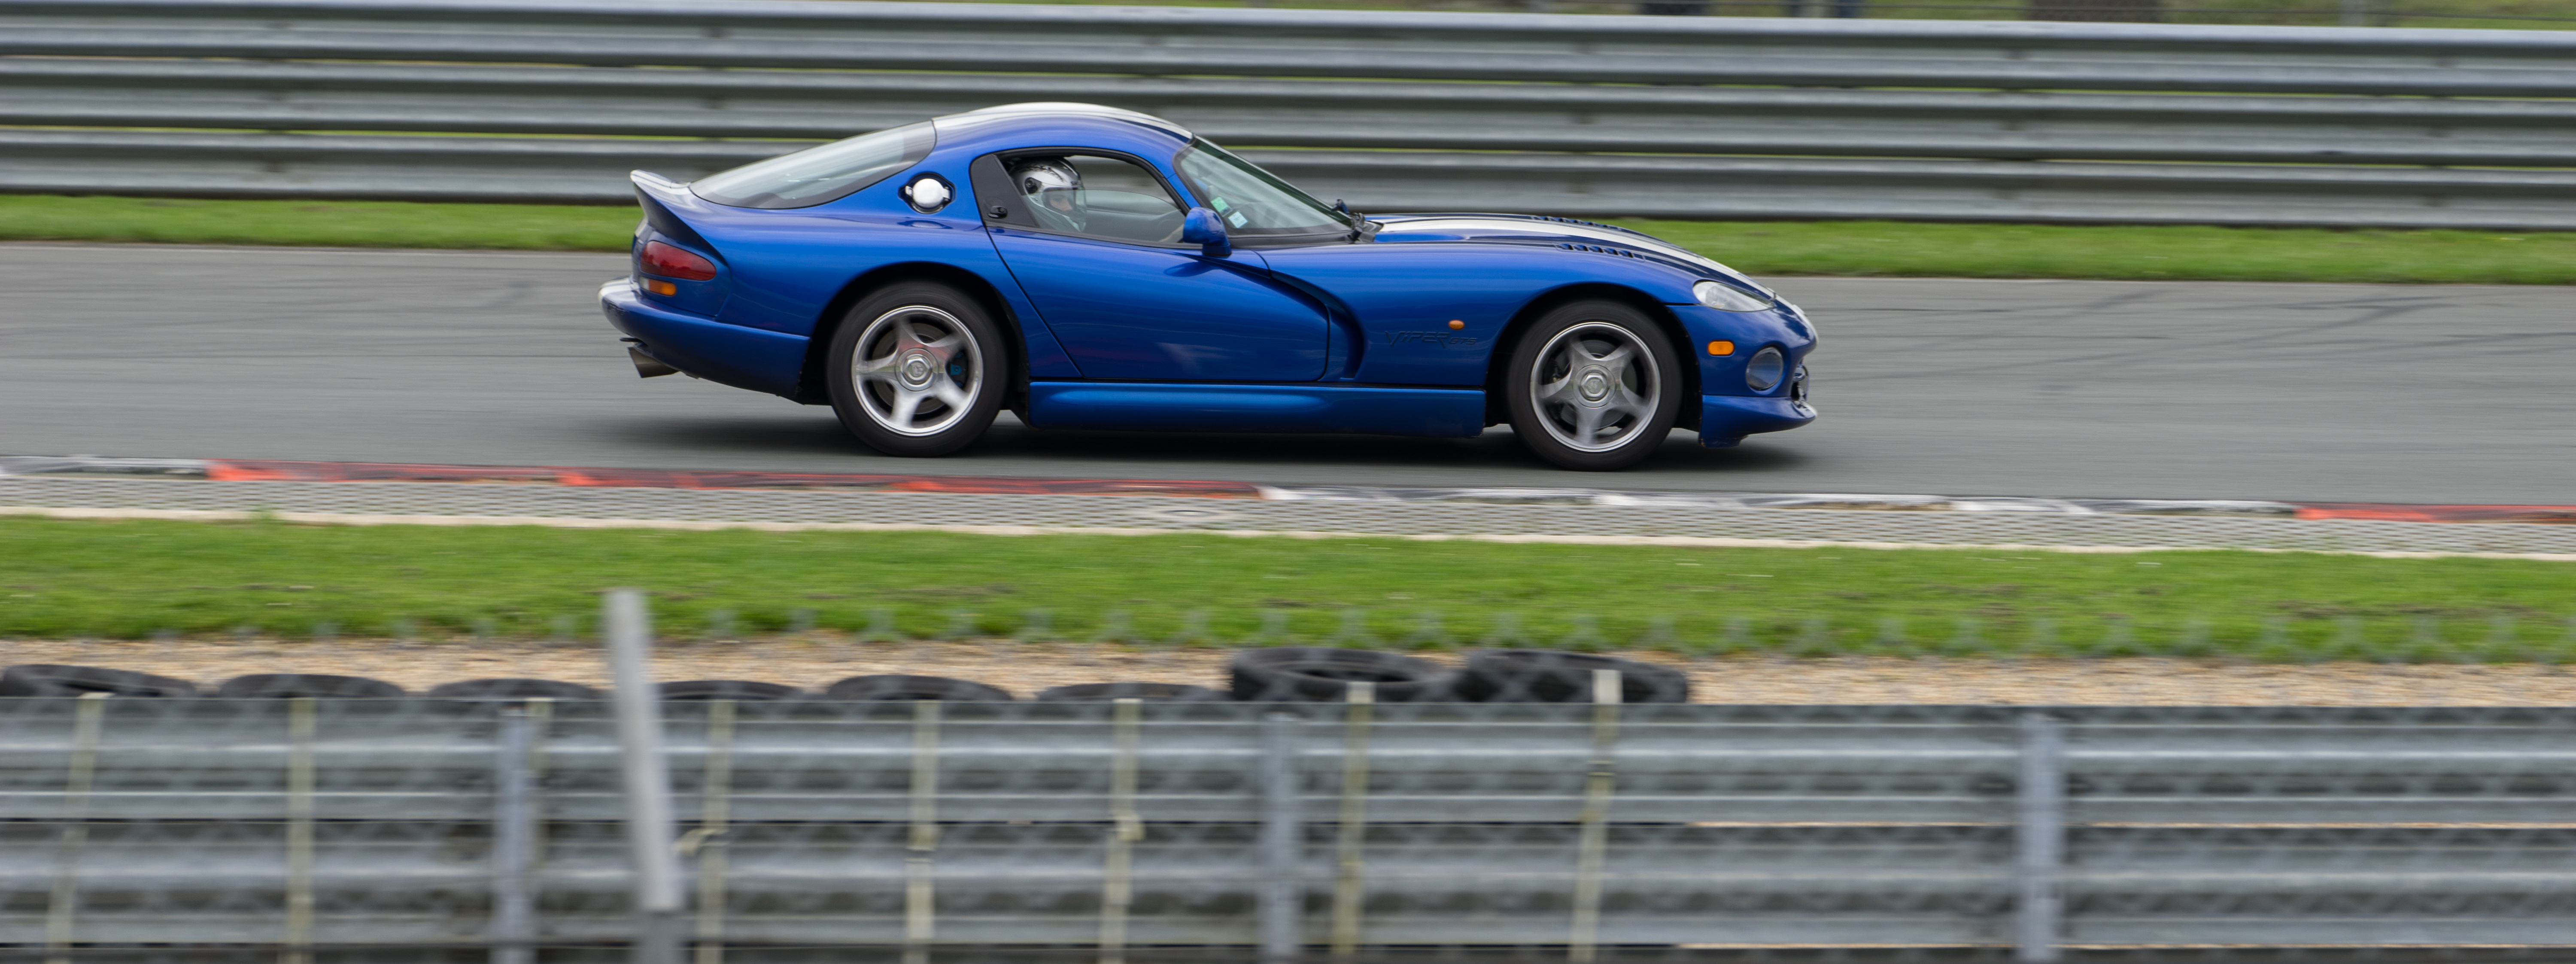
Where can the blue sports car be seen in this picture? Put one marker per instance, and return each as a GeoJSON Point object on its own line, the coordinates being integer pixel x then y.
{"type": "Point", "coordinates": [1096, 268]}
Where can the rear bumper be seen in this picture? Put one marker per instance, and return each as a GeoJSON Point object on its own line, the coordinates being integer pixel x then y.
{"type": "Point", "coordinates": [763, 361]}
{"type": "Point", "coordinates": [1725, 420]}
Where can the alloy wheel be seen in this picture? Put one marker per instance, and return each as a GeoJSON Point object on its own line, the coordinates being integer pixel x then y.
{"type": "Point", "coordinates": [1594, 386]}
{"type": "Point", "coordinates": [917, 370]}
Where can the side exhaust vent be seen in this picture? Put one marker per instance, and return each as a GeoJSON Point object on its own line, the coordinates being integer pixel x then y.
{"type": "Point", "coordinates": [647, 366]}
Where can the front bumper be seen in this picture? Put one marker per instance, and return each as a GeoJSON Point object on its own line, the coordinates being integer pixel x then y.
{"type": "Point", "coordinates": [763, 361]}
{"type": "Point", "coordinates": [1725, 420]}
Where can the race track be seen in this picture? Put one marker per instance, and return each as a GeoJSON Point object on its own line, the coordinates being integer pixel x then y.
{"type": "Point", "coordinates": [2049, 388]}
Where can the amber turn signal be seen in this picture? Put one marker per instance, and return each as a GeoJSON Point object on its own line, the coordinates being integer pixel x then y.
{"type": "Point", "coordinates": [1721, 348]}
{"type": "Point", "coordinates": [663, 288]}
{"type": "Point", "coordinates": [1455, 325]}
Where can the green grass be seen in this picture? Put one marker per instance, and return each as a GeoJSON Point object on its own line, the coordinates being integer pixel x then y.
{"type": "Point", "coordinates": [1852, 248]}
{"type": "Point", "coordinates": [2160, 253]}
{"type": "Point", "coordinates": [357, 224]}
{"type": "Point", "coordinates": [129, 579]}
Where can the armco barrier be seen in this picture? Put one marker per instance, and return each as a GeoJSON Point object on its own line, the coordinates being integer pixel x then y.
{"type": "Point", "coordinates": [340, 825]}
{"type": "Point", "coordinates": [1565, 114]}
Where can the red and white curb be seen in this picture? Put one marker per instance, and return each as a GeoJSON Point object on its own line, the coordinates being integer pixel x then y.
{"type": "Point", "coordinates": [263, 470]}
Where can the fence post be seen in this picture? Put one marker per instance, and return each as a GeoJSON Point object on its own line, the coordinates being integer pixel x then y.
{"type": "Point", "coordinates": [649, 835]}
{"type": "Point", "coordinates": [514, 839]}
{"type": "Point", "coordinates": [2040, 838]}
{"type": "Point", "coordinates": [920, 900]}
{"type": "Point", "coordinates": [1283, 842]}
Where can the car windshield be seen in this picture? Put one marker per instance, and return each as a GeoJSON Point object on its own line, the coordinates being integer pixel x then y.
{"type": "Point", "coordinates": [1254, 203]}
{"type": "Point", "coordinates": [822, 174]}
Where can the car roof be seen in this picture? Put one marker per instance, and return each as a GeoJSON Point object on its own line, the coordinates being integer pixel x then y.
{"type": "Point", "coordinates": [1061, 125]}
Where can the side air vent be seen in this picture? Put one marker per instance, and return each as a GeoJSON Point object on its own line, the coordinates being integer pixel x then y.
{"type": "Point", "coordinates": [1597, 249]}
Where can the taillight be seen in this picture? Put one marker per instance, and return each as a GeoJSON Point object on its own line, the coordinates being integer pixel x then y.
{"type": "Point", "coordinates": [671, 262]}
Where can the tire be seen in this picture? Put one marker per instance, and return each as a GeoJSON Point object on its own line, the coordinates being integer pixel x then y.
{"type": "Point", "coordinates": [320, 685]}
{"type": "Point", "coordinates": [727, 689]}
{"type": "Point", "coordinates": [1148, 692]}
{"type": "Point", "coordinates": [937, 369]}
{"type": "Point", "coordinates": [54, 679]}
{"type": "Point", "coordinates": [1544, 676]}
{"type": "Point", "coordinates": [902, 687]}
{"type": "Point", "coordinates": [513, 689]}
{"type": "Point", "coordinates": [1593, 386]}
{"type": "Point", "coordinates": [1312, 674]}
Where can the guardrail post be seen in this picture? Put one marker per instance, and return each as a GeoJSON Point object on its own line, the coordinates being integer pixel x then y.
{"type": "Point", "coordinates": [648, 779]}
{"type": "Point", "coordinates": [1117, 884]}
{"type": "Point", "coordinates": [920, 906]}
{"type": "Point", "coordinates": [1350, 861]}
{"type": "Point", "coordinates": [1283, 842]}
{"type": "Point", "coordinates": [88, 718]}
{"type": "Point", "coordinates": [2040, 838]}
{"type": "Point", "coordinates": [1599, 778]}
{"type": "Point", "coordinates": [300, 732]}
{"type": "Point", "coordinates": [514, 838]}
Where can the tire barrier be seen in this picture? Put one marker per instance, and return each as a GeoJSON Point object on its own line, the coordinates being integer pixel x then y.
{"type": "Point", "coordinates": [1540, 676]}
{"type": "Point", "coordinates": [313, 685]}
{"type": "Point", "coordinates": [48, 679]}
{"type": "Point", "coordinates": [1295, 674]}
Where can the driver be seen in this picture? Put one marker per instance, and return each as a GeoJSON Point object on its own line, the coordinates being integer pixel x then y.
{"type": "Point", "coordinates": [1054, 192]}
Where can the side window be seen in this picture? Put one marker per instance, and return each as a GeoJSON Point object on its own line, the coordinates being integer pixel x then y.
{"type": "Point", "coordinates": [1090, 195]}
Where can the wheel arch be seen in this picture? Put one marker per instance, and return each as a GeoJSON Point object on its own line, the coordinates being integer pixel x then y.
{"type": "Point", "coordinates": [810, 386]}
{"type": "Point", "coordinates": [1498, 411]}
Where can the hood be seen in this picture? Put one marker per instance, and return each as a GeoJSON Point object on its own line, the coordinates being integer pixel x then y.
{"type": "Point", "coordinates": [1532, 228]}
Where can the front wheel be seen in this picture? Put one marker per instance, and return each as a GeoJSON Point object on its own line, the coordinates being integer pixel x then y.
{"type": "Point", "coordinates": [1594, 385]}
{"type": "Point", "coordinates": [917, 370]}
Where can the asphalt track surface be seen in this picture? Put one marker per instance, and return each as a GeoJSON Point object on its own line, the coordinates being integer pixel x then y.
{"type": "Point", "coordinates": [2395, 393]}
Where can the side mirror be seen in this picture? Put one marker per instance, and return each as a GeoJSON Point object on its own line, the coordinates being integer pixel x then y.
{"type": "Point", "coordinates": [1203, 228]}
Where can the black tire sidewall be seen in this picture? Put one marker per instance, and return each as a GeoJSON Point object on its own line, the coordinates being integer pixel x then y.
{"type": "Point", "coordinates": [979, 415]}
{"type": "Point", "coordinates": [1525, 414]}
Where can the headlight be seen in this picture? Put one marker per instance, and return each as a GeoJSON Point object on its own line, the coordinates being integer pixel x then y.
{"type": "Point", "coordinates": [1727, 297]}
{"type": "Point", "coordinates": [1765, 369]}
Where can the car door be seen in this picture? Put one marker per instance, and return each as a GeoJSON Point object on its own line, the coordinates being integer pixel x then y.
{"type": "Point", "coordinates": [1104, 265]}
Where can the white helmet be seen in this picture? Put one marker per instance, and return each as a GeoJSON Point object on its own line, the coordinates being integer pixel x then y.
{"type": "Point", "coordinates": [1037, 174]}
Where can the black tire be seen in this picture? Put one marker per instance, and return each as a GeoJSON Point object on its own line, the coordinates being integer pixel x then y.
{"type": "Point", "coordinates": [902, 687]}
{"type": "Point", "coordinates": [1313, 674]}
{"type": "Point", "coordinates": [727, 689]}
{"type": "Point", "coordinates": [1148, 692]}
{"type": "Point", "coordinates": [513, 689]}
{"type": "Point", "coordinates": [1638, 397]}
{"type": "Point", "coordinates": [977, 371]}
{"type": "Point", "coordinates": [1544, 676]}
{"type": "Point", "coordinates": [55, 679]}
{"type": "Point", "coordinates": [318, 685]}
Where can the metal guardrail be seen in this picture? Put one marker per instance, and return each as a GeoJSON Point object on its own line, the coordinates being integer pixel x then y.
{"type": "Point", "coordinates": [1581, 115]}
{"type": "Point", "coordinates": [371, 823]}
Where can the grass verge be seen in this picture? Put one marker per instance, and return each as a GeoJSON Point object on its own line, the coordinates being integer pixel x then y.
{"type": "Point", "coordinates": [131, 579]}
{"type": "Point", "coordinates": [1851, 248]}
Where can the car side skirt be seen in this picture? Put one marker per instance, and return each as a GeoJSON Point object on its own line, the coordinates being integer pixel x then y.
{"type": "Point", "coordinates": [1154, 406]}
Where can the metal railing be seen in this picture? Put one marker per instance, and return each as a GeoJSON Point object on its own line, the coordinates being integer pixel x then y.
{"type": "Point", "coordinates": [1579, 115]}
{"type": "Point", "coordinates": [463, 825]}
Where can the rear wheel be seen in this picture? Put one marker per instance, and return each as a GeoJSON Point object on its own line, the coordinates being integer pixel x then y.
{"type": "Point", "coordinates": [917, 370]}
{"type": "Point", "coordinates": [1594, 385]}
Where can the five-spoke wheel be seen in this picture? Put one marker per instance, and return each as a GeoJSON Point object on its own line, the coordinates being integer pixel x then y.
{"type": "Point", "coordinates": [1593, 385]}
{"type": "Point", "coordinates": [916, 369]}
